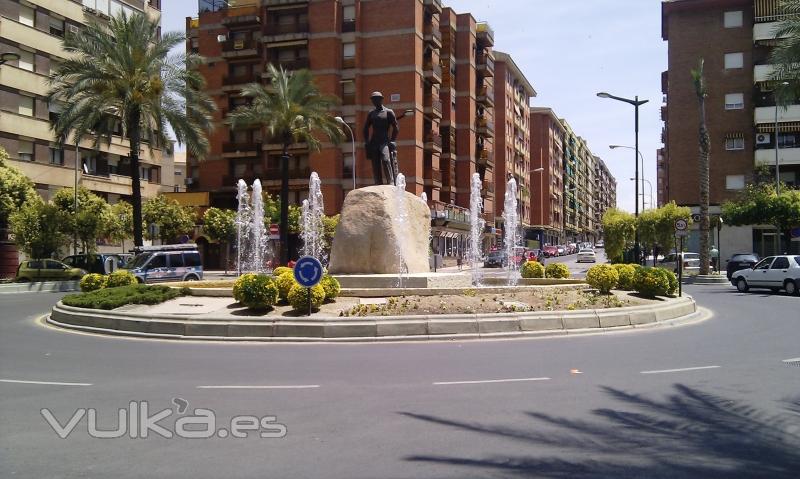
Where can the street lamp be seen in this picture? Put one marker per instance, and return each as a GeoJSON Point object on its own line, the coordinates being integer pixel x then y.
{"type": "Point", "coordinates": [636, 104]}
{"type": "Point", "coordinates": [651, 191]}
{"type": "Point", "coordinates": [353, 140]}
{"type": "Point", "coordinates": [8, 57]}
{"type": "Point", "coordinates": [777, 146]}
{"type": "Point", "coordinates": [641, 160]}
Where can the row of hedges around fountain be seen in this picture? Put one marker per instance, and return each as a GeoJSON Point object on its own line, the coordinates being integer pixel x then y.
{"type": "Point", "coordinates": [603, 277]}
{"type": "Point", "coordinates": [649, 282]}
{"type": "Point", "coordinates": [112, 298]}
{"type": "Point", "coordinates": [284, 285]}
{"type": "Point", "coordinates": [532, 269]}
{"type": "Point", "coordinates": [556, 270]}
{"type": "Point", "coordinates": [255, 291]}
{"type": "Point", "coordinates": [94, 281]}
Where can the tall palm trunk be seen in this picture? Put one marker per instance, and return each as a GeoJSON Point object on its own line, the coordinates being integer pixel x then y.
{"type": "Point", "coordinates": [134, 138]}
{"type": "Point", "coordinates": [285, 204]}
{"type": "Point", "coordinates": [705, 160]}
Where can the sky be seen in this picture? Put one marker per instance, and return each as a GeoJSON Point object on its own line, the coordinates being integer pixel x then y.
{"type": "Point", "coordinates": [570, 50]}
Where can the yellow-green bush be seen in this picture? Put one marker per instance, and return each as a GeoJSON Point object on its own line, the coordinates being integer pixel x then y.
{"type": "Point", "coordinates": [673, 281]}
{"type": "Point", "coordinates": [121, 277]}
{"type": "Point", "coordinates": [626, 275]}
{"type": "Point", "coordinates": [255, 291]}
{"type": "Point", "coordinates": [93, 282]}
{"type": "Point", "coordinates": [280, 270]}
{"type": "Point", "coordinates": [284, 282]}
{"type": "Point", "coordinates": [651, 282]}
{"type": "Point", "coordinates": [532, 269]}
{"type": "Point", "coordinates": [603, 277]}
{"type": "Point", "coordinates": [556, 270]}
{"type": "Point", "coordinates": [331, 286]}
{"type": "Point", "coordinates": [298, 297]}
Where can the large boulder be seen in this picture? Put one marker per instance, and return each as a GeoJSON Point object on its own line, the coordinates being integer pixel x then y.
{"type": "Point", "coordinates": [371, 229]}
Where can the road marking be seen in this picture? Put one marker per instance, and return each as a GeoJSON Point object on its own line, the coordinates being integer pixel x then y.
{"type": "Point", "coordinates": [49, 383]}
{"type": "Point", "coordinates": [679, 370]}
{"type": "Point", "coordinates": [489, 381]}
{"type": "Point", "coordinates": [252, 386]}
{"type": "Point", "coordinates": [792, 360]}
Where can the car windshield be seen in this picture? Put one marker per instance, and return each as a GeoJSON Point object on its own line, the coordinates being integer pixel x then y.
{"type": "Point", "coordinates": [691, 255]}
{"type": "Point", "coordinates": [586, 251]}
{"type": "Point", "coordinates": [745, 257]}
{"type": "Point", "coordinates": [139, 261]}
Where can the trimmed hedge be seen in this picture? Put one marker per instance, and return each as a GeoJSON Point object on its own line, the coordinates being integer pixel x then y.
{"type": "Point", "coordinates": [603, 277]}
{"type": "Point", "coordinates": [280, 270]}
{"type": "Point", "coordinates": [627, 273]}
{"type": "Point", "coordinates": [331, 286]}
{"type": "Point", "coordinates": [652, 282]}
{"type": "Point", "coordinates": [298, 297]}
{"type": "Point", "coordinates": [255, 291]}
{"type": "Point", "coordinates": [120, 277]}
{"type": "Point", "coordinates": [116, 297]}
{"type": "Point", "coordinates": [285, 282]}
{"type": "Point", "coordinates": [93, 282]}
{"type": "Point", "coordinates": [557, 270]}
{"type": "Point", "coordinates": [673, 281]}
{"type": "Point", "coordinates": [532, 269]}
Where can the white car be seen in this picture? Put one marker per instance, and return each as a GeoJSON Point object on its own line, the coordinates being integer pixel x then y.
{"type": "Point", "coordinates": [774, 272]}
{"type": "Point", "coordinates": [691, 263]}
{"type": "Point", "coordinates": [599, 244]}
{"type": "Point", "coordinates": [587, 255]}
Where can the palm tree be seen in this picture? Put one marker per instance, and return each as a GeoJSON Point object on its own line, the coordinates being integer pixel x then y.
{"type": "Point", "coordinates": [123, 74]}
{"type": "Point", "coordinates": [291, 110]}
{"type": "Point", "coordinates": [705, 158]}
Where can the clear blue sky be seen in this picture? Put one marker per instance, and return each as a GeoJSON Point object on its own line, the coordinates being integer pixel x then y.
{"type": "Point", "coordinates": [570, 50]}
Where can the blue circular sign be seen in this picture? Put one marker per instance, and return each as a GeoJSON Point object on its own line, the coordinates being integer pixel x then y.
{"type": "Point", "coordinates": [308, 271]}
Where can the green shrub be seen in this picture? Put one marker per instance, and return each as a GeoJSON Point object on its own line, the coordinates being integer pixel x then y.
{"type": "Point", "coordinates": [532, 269]}
{"type": "Point", "coordinates": [298, 297]}
{"type": "Point", "coordinates": [284, 283]}
{"type": "Point", "coordinates": [280, 270]}
{"type": "Point", "coordinates": [93, 282]}
{"type": "Point", "coordinates": [121, 277]}
{"type": "Point", "coordinates": [603, 277]}
{"type": "Point", "coordinates": [331, 286]}
{"type": "Point", "coordinates": [650, 282]}
{"type": "Point", "coordinates": [556, 270]}
{"type": "Point", "coordinates": [672, 278]}
{"type": "Point", "coordinates": [626, 274]}
{"type": "Point", "coordinates": [116, 297]}
{"type": "Point", "coordinates": [255, 291]}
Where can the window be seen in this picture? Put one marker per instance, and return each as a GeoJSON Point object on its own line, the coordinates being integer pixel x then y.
{"type": "Point", "coordinates": [50, 264]}
{"type": "Point", "coordinates": [176, 260]}
{"type": "Point", "coordinates": [780, 262]}
{"type": "Point", "coordinates": [25, 105]}
{"type": "Point", "coordinates": [733, 19]}
{"type": "Point", "coordinates": [192, 259]}
{"type": "Point", "coordinates": [27, 15]}
{"type": "Point", "coordinates": [158, 261]}
{"type": "Point", "coordinates": [348, 50]}
{"type": "Point", "coordinates": [734, 101]}
{"type": "Point", "coordinates": [734, 182]}
{"type": "Point", "coordinates": [26, 60]}
{"type": "Point", "coordinates": [56, 156]}
{"type": "Point", "coordinates": [734, 60]}
{"type": "Point", "coordinates": [56, 27]}
{"type": "Point", "coordinates": [734, 144]}
{"type": "Point", "coordinates": [764, 264]}
{"type": "Point", "coordinates": [25, 150]}
{"type": "Point", "coordinates": [349, 13]}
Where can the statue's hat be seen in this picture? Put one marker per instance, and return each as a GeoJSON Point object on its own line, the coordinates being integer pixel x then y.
{"type": "Point", "coordinates": [376, 94]}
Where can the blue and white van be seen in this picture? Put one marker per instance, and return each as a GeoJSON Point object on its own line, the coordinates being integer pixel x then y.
{"type": "Point", "coordinates": [158, 264]}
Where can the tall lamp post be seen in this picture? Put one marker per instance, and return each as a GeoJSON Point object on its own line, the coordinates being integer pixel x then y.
{"type": "Point", "coordinates": [777, 148]}
{"type": "Point", "coordinates": [530, 200]}
{"type": "Point", "coordinates": [650, 185]}
{"type": "Point", "coordinates": [641, 161]}
{"type": "Point", "coordinates": [636, 104]}
{"type": "Point", "coordinates": [353, 140]}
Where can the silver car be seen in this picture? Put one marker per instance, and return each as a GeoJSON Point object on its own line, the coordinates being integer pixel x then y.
{"type": "Point", "coordinates": [587, 255]}
{"type": "Point", "coordinates": [775, 273]}
{"type": "Point", "coordinates": [691, 263]}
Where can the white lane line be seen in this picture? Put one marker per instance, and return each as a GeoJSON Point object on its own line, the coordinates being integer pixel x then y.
{"type": "Point", "coordinates": [489, 381]}
{"type": "Point", "coordinates": [792, 360]}
{"type": "Point", "coordinates": [679, 370]}
{"type": "Point", "coordinates": [253, 386]}
{"type": "Point", "coordinates": [49, 383]}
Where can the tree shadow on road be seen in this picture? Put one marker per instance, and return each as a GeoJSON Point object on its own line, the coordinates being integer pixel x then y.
{"type": "Point", "coordinates": [688, 434]}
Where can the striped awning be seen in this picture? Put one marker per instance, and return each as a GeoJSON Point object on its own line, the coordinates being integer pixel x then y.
{"type": "Point", "coordinates": [786, 127]}
{"type": "Point", "coordinates": [729, 136]}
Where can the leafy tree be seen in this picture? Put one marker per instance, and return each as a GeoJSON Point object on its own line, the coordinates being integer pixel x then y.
{"type": "Point", "coordinates": [619, 228]}
{"type": "Point", "coordinates": [118, 222]}
{"type": "Point", "coordinates": [87, 224]}
{"type": "Point", "coordinates": [272, 213]}
{"type": "Point", "coordinates": [292, 110]}
{"type": "Point", "coordinates": [759, 204]}
{"type": "Point", "coordinates": [329, 224]}
{"type": "Point", "coordinates": [220, 225]}
{"type": "Point", "coordinates": [121, 73]}
{"type": "Point", "coordinates": [171, 218]}
{"type": "Point", "coordinates": [699, 82]}
{"type": "Point", "coordinates": [786, 55]}
{"type": "Point", "coordinates": [657, 226]}
{"type": "Point", "coordinates": [37, 228]}
{"type": "Point", "coordinates": [15, 190]}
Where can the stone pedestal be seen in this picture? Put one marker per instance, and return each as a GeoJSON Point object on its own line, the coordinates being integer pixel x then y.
{"type": "Point", "coordinates": [369, 233]}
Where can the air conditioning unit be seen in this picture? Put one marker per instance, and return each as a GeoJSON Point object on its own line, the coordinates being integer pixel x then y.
{"type": "Point", "coordinates": [763, 139]}
{"type": "Point", "coordinates": [90, 10]}
{"type": "Point", "coordinates": [74, 29]}
{"type": "Point", "coordinates": [238, 44]}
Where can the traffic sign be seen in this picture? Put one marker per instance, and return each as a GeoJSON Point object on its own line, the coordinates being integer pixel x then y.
{"type": "Point", "coordinates": [696, 217]}
{"type": "Point", "coordinates": [681, 233]}
{"type": "Point", "coordinates": [274, 229]}
{"type": "Point", "coordinates": [681, 224]}
{"type": "Point", "coordinates": [308, 271]}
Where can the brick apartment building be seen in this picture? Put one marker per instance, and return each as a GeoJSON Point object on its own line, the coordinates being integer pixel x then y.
{"type": "Point", "coordinates": [547, 187]}
{"type": "Point", "coordinates": [734, 37]}
{"type": "Point", "coordinates": [34, 30]}
{"type": "Point", "coordinates": [605, 192]}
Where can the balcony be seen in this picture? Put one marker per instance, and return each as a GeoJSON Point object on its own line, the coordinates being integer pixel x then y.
{"type": "Point", "coordinates": [233, 148]}
{"type": "Point", "coordinates": [487, 188]}
{"type": "Point", "coordinates": [448, 143]}
{"type": "Point", "coordinates": [241, 17]}
{"type": "Point", "coordinates": [272, 3]}
{"type": "Point", "coordinates": [485, 157]}
{"type": "Point", "coordinates": [485, 34]}
{"type": "Point", "coordinates": [286, 29]}
{"type": "Point", "coordinates": [433, 177]}
{"type": "Point", "coordinates": [442, 213]}
{"type": "Point", "coordinates": [766, 114]}
{"type": "Point", "coordinates": [348, 25]}
{"type": "Point", "coordinates": [433, 106]}
{"type": "Point", "coordinates": [485, 127]}
{"type": "Point", "coordinates": [485, 65]}
{"type": "Point", "coordinates": [486, 96]}
{"type": "Point", "coordinates": [229, 80]}
{"type": "Point", "coordinates": [786, 156]}
{"type": "Point", "coordinates": [435, 6]}
{"type": "Point", "coordinates": [289, 65]}
{"type": "Point", "coordinates": [433, 72]}
{"type": "Point", "coordinates": [433, 142]}
{"type": "Point", "coordinates": [763, 73]}
{"type": "Point", "coordinates": [241, 48]}
{"type": "Point", "coordinates": [433, 35]}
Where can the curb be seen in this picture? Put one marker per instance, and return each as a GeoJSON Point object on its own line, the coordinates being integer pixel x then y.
{"type": "Point", "coordinates": [40, 287]}
{"type": "Point", "coordinates": [384, 328]}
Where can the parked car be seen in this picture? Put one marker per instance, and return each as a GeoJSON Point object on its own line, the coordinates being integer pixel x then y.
{"type": "Point", "coordinates": [691, 263]}
{"type": "Point", "coordinates": [167, 263]}
{"type": "Point", "coordinates": [587, 255]}
{"type": "Point", "coordinates": [535, 255]}
{"type": "Point", "coordinates": [495, 259]}
{"type": "Point", "coordinates": [774, 272]}
{"type": "Point", "coordinates": [572, 248]}
{"type": "Point", "coordinates": [47, 270]}
{"type": "Point", "coordinates": [550, 251]}
{"type": "Point", "coordinates": [600, 244]}
{"type": "Point", "coordinates": [562, 250]}
{"type": "Point", "coordinates": [741, 261]}
{"type": "Point", "coordinates": [95, 263]}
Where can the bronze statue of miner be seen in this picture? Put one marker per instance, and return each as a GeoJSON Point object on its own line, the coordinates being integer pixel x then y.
{"type": "Point", "coordinates": [381, 147]}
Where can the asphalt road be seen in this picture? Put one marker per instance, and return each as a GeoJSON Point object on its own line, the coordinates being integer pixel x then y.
{"type": "Point", "coordinates": [714, 399]}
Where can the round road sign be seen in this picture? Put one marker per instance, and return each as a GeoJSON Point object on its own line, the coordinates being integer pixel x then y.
{"type": "Point", "coordinates": [308, 271]}
{"type": "Point", "coordinates": [681, 224]}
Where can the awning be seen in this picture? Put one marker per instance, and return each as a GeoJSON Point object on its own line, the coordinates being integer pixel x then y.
{"type": "Point", "coordinates": [789, 126]}
{"type": "Point", "coordinates": [729, 136]}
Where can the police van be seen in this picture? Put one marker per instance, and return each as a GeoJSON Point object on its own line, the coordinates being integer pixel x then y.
{"type": "Point", "coordinates": [158, 264]}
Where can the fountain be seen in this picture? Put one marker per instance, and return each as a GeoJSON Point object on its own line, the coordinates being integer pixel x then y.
{"type": "Point", "coordinates": [312, 226]}
{"type": "Point", "coordinates": [242, 225]}
{"type": "Point", "coordinates": [402, 224]}
{"type": "Point", "coordinates": [477, 224]}
{"type": "Point", "coordinates": [257, 229]}
{"type": "Point", "coordinates": [252, 242]}
{"type": "Point", "coordinates": [511, 227]}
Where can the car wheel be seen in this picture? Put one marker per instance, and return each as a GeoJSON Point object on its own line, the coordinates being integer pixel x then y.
{"type": "Point", "coordinates": [191, 277]}
{"type": "Point", "coordinates": [790, 287]}
{"type": "Point", "coordinates": [742, 286]}
{"type": "Point", "coordinates": [139, 280]}
{"type": "Point", "coordinates": [23, 280]}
